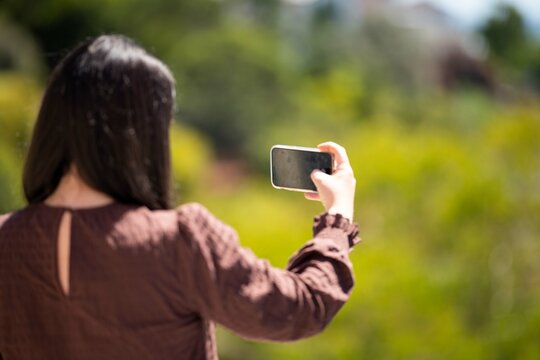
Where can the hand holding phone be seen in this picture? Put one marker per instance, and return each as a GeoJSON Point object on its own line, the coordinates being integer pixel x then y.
{"type": "Point", "coordinates": [335, 191]}
{"type": "Point", "coordinates": [322, 173]}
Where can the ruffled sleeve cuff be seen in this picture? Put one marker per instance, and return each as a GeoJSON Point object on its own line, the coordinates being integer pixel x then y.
{"type": "Point", "coordinates": [330, 221]}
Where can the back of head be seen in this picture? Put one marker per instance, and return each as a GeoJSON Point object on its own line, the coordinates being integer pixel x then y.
{"type": "Point", "coordinates": [107, 110]}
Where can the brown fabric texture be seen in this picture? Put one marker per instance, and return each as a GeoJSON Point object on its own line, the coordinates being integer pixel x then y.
{"type": "Point", "coordinates": [151, 284]}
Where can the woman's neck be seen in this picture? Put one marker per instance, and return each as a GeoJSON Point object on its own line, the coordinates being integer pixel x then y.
{"type": "Point", "coordinates": [73, 192]}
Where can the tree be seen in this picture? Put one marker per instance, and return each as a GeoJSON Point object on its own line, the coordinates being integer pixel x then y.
{"type": "Point", "coordinates": [507, 38]}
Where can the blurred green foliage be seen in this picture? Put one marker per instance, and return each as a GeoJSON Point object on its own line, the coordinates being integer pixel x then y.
{"type": "Point", "coordinates": [235, 63]}
{"type": "Point", "coordinates": [448, 194]}
{"type": "Point", "coordinates": [18, 106]}
{"type": "Point", "coordinates": [512, 47]}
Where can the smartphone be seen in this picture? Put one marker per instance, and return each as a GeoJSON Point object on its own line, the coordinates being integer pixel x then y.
{"type": "Point", "coordinates": [291, 167]}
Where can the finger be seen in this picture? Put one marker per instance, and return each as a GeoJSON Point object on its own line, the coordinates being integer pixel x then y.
{"type": "Point", "coordinates": [339, 152]}
{"type": "Point", "coordinates": [318, 177]}
{"type": "Point", "coordinates": [312, 196]}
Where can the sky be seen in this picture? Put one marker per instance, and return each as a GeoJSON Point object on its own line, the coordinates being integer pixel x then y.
{"type": "Point", "coordinates": [473, 12]}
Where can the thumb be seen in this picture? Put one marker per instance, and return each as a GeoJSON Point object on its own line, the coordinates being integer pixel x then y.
{"type": "Point", "coordinates": [319, 177]}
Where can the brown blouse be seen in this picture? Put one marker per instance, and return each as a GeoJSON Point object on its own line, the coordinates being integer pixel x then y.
{"type": "Point", "coordinates": [150, 284]}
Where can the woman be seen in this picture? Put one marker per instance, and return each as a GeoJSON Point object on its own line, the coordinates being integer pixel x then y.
{"type": "Point", "coordinates": [100, 266]}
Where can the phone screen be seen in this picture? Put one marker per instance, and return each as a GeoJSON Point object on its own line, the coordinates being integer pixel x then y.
{"type": "Point", "coordinates": [292, 168]}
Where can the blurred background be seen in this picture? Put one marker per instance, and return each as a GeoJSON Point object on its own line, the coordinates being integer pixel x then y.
{"type": "Point", "coordinates": [437, 102]}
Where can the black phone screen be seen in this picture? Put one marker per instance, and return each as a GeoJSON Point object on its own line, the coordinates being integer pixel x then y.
{"type": "Point", "coordinates": [292, 168]}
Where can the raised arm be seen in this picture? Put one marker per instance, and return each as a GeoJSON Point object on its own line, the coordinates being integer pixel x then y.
{"type": "Point", "coordinates": [230, 285]}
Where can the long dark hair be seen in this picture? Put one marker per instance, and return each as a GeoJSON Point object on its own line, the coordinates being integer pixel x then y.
{"type": "Point", "coordinates": [107, 109]}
